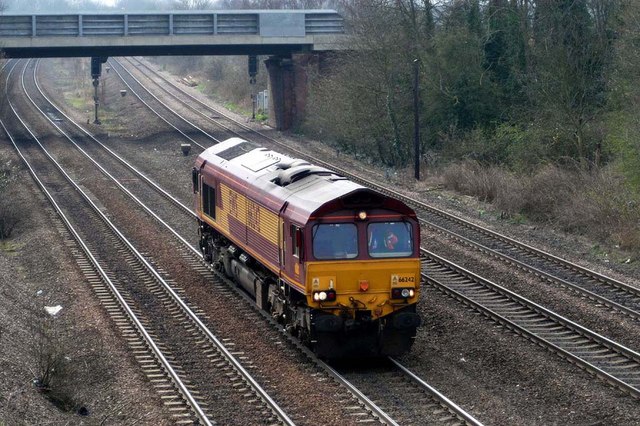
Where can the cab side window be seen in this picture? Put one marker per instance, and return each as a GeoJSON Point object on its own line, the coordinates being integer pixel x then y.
{"type": "Point", "coordinates": [209, 200]}
{"type": "Point", "coordinates": [296, 241]}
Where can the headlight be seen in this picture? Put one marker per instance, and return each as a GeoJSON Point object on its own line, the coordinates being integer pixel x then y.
{"type": "Point", "coordinates": [402, 293]}
{"type": "Point", "coordinates": [328, 295]}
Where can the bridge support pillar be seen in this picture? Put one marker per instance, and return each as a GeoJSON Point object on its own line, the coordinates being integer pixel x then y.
{"type": "Point", "coordinates": [288, 88]}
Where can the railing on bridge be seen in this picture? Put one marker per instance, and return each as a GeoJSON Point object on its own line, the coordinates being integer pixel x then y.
{"type": "Point", "coordinates": [262, 23]}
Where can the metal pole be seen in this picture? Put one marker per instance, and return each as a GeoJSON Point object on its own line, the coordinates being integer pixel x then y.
{"type": "Point", "coordinates": [253, 102]}
{"type": "Point", "coordinates": [96, 99]}
{"type": "Point", "coordinates": [253, 72]}
{"type": "Point", "coordinates": [416, 118]}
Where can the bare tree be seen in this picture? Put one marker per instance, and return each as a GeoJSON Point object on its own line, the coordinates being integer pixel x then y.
{"type": "Point", "coordinates": [193, 4]}
{"type": "Point", "coordinates": [273, 4]}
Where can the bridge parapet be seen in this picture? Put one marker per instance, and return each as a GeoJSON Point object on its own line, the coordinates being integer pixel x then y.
{"type": "Point", "coordinates": [282, 34]}
{"type": "Point", "coordinates": [263, 23]}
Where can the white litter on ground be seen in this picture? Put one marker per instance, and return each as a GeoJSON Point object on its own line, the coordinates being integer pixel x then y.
{"type": "Point", "coordinates": [53, 310]}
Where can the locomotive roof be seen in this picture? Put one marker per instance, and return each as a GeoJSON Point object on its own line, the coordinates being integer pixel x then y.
{"type": "Point", "coordinates": [277, 178]}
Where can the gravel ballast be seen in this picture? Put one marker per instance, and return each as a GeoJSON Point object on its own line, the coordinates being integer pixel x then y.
{"type": "Point", "coordinates": [499, 377]}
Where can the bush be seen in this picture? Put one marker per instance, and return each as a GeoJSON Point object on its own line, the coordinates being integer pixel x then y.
{"type": "Point", "coordinates": [12, 212]}
{"type": "Point", "coordinates": [49, 354]}
{"type": "Point", "coordinates": [624, 140]}
{"type": "Point", "coordinates": [604, 207]}
{"type": "Point", "coordinates": [470, 178]}
{"type": "Point", "coordinates": [597, 203]}
{"type": "Point", "coordinates": [262, 116]}
{"type": "Point", "coordinates": [69, 366]}
{"type": "Point", "coordinates": [489, 184]}
{"type": "Point", "coordinates": [547, 190]}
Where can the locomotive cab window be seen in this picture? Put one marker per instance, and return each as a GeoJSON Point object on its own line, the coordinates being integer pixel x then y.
{"type": "Point", "coordinates": [195, 179]}
{"type": "Point", "coordinates": [335, 241]}
{"type": "Point", "coordinates": [296, 241]}
{"type": "Point", "coordinates": [208, 200]}
{"type": "Point", "coordinates": [389, 239]}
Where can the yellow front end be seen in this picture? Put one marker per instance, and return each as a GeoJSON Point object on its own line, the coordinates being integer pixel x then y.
{"type": "Point", "coordinates": [364, 285]}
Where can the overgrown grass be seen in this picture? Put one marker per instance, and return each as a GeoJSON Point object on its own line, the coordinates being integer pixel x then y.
{"type": "Point", "coordinates": [597, 203]}
{"type": "Point", "coordinates": [77, 102]}
{"type": "Point", "coordinates": [110, 122]}
{"type": "Point", "coordinates": [9, 247]}
{"type": "Point", "coordinates": [262, 116]}
{"type": "Point", "coordinates": [237, 108]}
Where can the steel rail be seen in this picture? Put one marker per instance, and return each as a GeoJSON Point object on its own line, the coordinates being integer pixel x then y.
{"type": "Point", "coordinates": [448, 216]}
{"type": "Point", "coordinates": [377, 411]}
{"type": "Point", "coordinates": [446, 402]}
{"type": "Point", "coordinates": [189, 105]}
{"type": "Point", "coordinates": [203, 104]}
{"type": "Point", "coordinates": [536, 271]}
{"type": "Point", "coordinates": [139, 326]}
{"type": "Point", "coordinates": [118, 183]}
{"type": "Point", "coordinates": [168, 108]}
{"type": "Point", "coordinates": [144, 177]}
{"type": "Point", "coordinates": [177, 299]}
{"type": "Point", "coordinates": [519, 305]}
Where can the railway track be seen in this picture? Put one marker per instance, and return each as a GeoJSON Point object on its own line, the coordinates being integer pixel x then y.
{"type": "Point", "coordinates": [161, 301]}
{"type": "Point", "coordinates": [108, 260]}
{"type": "Point", "coordinates": [621, 383]}
{"type": "Point", "coordinates": [354, 410]}
{"type": "Point", "coordinates": [223, 122]}
{"type": "Point", "coordinates": [404, 395]}
{"type": "Point", "coordinates": [123, 174]}
{"type": "Point", "coordinates": [189, 130]}
{"type": "Point", "coordinates": [612, 362]}
{"type": "Point", "coordinates": [603, 290]}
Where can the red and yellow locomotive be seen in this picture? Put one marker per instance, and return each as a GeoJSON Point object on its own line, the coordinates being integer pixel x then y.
{"type": "Point", "coordinates": [337, 263]}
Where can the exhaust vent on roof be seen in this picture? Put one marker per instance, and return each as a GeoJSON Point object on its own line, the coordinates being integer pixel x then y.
{"type": "Point", "coordinates": [294, 163]}
{"type": "Point", "coordinates": [295, 173]}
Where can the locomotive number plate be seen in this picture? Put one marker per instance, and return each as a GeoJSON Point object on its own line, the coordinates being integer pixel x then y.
{"type": "Point", "coordinates": [402, 279]}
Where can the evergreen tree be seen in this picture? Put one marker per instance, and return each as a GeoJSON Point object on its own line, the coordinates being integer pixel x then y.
{"type": "Point", "coordinates": [568, 86]}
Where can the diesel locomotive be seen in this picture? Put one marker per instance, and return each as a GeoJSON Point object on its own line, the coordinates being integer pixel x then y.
{"type": "Point", "coordinates": [335, 262]}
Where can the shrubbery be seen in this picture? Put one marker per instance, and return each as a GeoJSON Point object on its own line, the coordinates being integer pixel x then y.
{"type": "Point", "coordinates": [12, 212]}
{"type": "Point", "coordinates": [596, 202]}
{"type": "Point", "coordinates": [69, 365]}
{"type": "Point", "coordinates": [535, 113]}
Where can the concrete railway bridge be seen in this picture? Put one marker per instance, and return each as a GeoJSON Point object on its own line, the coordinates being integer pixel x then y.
{"type": "Point", "coordinates": [294, 40]}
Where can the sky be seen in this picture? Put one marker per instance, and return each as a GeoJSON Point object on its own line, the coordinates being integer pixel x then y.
{"type": "Point", "coordinates": [57, 6]}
